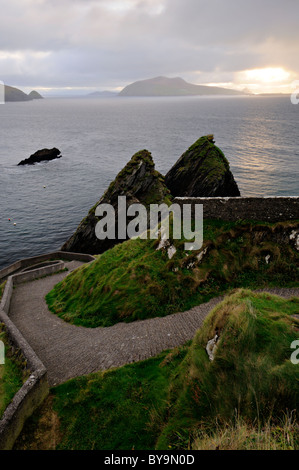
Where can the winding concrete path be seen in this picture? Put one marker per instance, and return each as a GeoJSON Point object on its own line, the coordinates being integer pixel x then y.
{"type": "Point", "coordinates": [69, 351]}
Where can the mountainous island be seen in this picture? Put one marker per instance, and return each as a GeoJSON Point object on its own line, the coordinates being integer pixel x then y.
{"type": "Point", "coordinates": [164, 86]}
{"type": "Point", "coordinates": [42, 156]}
{"type": "Point", "coordinates": [14, 94]}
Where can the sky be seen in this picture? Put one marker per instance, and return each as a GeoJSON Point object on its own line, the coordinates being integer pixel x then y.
{"type": "Point", "coordinates": [80, 46]}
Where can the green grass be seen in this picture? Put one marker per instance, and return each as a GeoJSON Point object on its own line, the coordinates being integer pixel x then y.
{"type": "Point", "coordinates": [182, 400]}
{"type": "Point", "coordinates": [121, 409]}
{"type": "Point", "coordinates": [2, 286]}
{"type": "Point", "coordinates": [280, 435]}
{"type": "Point", "coordinates": [134, 281]}
{"type": "Point", "coordinates": [12, 374]}
{"type": "Point", "coordinates": [251, 376]}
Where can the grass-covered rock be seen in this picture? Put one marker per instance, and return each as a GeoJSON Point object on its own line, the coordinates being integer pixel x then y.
{"type": "Point", "coordinates": [136, 280]}
{"type": "Point", "coordinates": [180, 399]}
{"type": "Point", "coordinates": [140, 183]}
{"type": "Point", "coordinates": [202, 171]}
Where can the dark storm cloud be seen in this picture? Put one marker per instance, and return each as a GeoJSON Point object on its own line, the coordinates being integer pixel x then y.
{"type": "Point", "coordinates": [98, 43]}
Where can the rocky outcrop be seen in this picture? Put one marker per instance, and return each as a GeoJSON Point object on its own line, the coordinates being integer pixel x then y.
{"type": "Point", "coordinates": [41, 156]}
{"type": "Point", "coordinates": [140, 183]}
{"type": "Point", "coordinates": [202, 171]}
{"type": "Point", "coordinates": [211, 347]}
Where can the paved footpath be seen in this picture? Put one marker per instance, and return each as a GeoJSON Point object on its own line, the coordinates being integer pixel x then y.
{"type": "Point", "coordinates": [69, 351]}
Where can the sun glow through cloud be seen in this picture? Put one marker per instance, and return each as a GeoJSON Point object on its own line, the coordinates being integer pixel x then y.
{"type": "Point", "coordinates": [108, 44]}
{"type": "Point", "coordinates": [275, 75]}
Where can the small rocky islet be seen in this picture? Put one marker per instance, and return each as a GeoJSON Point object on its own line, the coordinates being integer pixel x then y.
{"type": "Point", "coordinates": [41, 156]}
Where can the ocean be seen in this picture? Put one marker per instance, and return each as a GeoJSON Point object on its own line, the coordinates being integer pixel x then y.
{"type": "Point", "coordinates": [97, 137]}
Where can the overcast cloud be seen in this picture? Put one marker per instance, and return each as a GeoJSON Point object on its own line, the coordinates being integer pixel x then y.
{"type": "Point", "coordinates": [105, 44]}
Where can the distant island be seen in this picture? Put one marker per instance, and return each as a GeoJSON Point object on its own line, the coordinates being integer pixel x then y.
{"type": "Point", "coordinates": [164, 86]}
{"type": "Point", "coordinates": [158, 86]}
{"type": "Point", "coordinates": [102, 94]}
{"type": "Point", "coordinates": [14, 94]}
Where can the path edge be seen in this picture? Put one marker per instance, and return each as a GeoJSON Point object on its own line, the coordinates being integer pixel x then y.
{"type": "Point", "coordinates": [36, 388]}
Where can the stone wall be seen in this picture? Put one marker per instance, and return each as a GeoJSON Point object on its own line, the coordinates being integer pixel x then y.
{"type": "Point", "coordinates": [266, 209]}
{"type": "Point", "coordinates": [31, 394]}
{"type": "Point", "coordinates": [24, 263]}
{"type": "Point", "coordinates": [36, 388]}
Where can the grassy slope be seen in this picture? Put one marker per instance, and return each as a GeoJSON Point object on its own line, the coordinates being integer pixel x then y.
{"type": "Point", "coordinates": [179, 399]}
{"type": "Point", "coordinates": [12, 375]}
{"type": "Point", "coordinates": [135, 281]}
{"type": "Point", "coordinates": [251, 377]}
